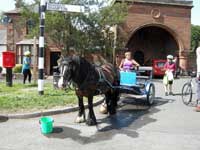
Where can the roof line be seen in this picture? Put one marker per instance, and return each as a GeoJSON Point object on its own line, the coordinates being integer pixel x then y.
{"type": "Point", "coordinates": [156, 2]}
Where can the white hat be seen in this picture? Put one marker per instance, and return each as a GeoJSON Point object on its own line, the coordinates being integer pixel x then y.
{"type": "Point", "coordinates": [27, 53]}
{"type": "Point", "coordinates": [170, 57]}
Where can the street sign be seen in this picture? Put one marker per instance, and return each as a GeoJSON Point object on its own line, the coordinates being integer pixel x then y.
{"type": "Point", "coordinates": [64, 7]}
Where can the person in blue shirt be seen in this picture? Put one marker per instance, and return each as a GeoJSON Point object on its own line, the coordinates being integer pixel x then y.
{"type": "Point", "coordinates": [26, 68]}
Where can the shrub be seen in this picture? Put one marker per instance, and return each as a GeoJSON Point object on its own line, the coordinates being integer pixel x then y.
{"type": "Point", "coordinates": [17, 68]}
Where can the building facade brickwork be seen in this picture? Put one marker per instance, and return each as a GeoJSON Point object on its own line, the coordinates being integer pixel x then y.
{"type": "Point", "coordinates": [172, 19]}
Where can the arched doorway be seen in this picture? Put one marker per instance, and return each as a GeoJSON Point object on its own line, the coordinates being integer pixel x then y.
{"type": "Point", "coordinates": [154, 42]}
{"type": "Point", "coordinates": [139, 57]}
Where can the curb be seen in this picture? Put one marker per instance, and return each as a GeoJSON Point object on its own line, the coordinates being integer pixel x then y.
{"type": "Point", "coordinates": [47, 112]}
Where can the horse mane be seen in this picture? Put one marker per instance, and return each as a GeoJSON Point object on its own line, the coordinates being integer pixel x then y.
{"type": "Point", "coordinates": [81, 68]}
{"type": "Point", "coordinates": [98, 60]}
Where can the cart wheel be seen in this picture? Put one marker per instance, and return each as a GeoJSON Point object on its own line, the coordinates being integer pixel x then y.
{"type": "Point", "coordinates": [150, 94]}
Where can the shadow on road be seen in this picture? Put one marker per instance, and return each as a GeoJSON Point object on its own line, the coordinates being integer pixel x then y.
{"type": "Point", "coordinates": [3, 119]}
{"type": "Point", "coordinates": [177, 94]}
{"type": "Point", "coordinates": [132, 114]}
{"type": "Point", "coordinates": [63, 132]}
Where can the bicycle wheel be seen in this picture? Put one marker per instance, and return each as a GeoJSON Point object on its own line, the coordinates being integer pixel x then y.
{"type": "Point", "coordinates": [187, 93]}
{"type": "Point", "coordinates": [151, 94]}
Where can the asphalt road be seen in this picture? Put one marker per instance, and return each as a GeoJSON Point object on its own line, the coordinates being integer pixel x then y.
{"type": "Point", "coordinates": [169, 124]}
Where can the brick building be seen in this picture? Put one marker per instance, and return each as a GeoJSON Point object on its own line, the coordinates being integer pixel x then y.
{"type": "Point", "coordinates": [155, 28]}
{"type": "Point", "coordinates": [3, 41]}
{"type": "Point", "coordinates": [17, 30]}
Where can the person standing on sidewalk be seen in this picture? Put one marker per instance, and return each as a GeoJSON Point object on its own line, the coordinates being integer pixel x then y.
{"type": "Point", "coordinates": [170, 68]}
{"type": "Point", "coordinates": [198, 77]}
{"type": "Point", "coordinates": [26, 68]}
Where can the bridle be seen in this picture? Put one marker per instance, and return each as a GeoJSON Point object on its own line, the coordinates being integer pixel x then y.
{"type": "Point", "coordinates": [66, 82]}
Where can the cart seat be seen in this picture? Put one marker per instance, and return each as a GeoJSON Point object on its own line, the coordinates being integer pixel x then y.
{"type": "Point", "coordinates": [127, 78]}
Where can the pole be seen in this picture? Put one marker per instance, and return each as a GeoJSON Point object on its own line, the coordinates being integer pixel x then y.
{"type": "Point", "coordinates": [114, 44]}
{"type": "Point", "coordinates": [34, 61]}
{"type": "Point", "coordinates": [9, 77]}
{"type": "Point", "coordinates": [41, 49]}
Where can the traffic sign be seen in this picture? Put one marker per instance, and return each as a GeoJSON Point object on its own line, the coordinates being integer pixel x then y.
{"type": "Point", "coordinates": [65, 7]}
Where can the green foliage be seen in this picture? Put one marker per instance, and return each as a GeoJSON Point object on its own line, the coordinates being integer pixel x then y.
{"type": "Point", "coordinates": [30, 16]}
{"type": "Point", "coordinates": [17, 68]}
{"type": "Point", "coordinates": [114, 14]}
{"type": "Point", "coordinates": [19, 3]}
{"type": "Point", "coordinates": [195, 37]}
{"type": "Point", "coordinates": [83, 32]}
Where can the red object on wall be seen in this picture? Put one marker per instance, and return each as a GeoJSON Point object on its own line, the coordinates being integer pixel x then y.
{"type": "Point", "coordinates": [8, 59]}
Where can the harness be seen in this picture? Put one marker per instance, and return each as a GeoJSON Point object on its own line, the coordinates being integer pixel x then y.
{"type": "Point", "coordinates": [102, 81]}
{"type": "Point", "coordinates": [102, 77]}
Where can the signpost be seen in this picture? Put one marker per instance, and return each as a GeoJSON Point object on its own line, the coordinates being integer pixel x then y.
{"type": "Point", "coordinates": [51, 7]}
{"type": "Point", "coordinates": [64, 7]}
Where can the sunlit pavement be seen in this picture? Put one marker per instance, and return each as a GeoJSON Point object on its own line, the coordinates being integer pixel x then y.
{"type": "Point", "coordinates": [169, 124]}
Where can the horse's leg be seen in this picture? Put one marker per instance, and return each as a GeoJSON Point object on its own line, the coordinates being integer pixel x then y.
{"type": "Point", "coordinates": [116, 95]}
{"type": "Point", "coordinates": [91, 120]}
{"type": "Point", "coordinates": [110, 101]}
{"type": "Point", "coordinates": [81, 112]}
{"type": "Point", "coordinates": [113, 102]}
{"type": "Point", "coordinates": [115, 98]}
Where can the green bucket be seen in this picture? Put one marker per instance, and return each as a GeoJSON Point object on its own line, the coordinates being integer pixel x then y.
{"type": "Point", "coordinates": [46, 125]}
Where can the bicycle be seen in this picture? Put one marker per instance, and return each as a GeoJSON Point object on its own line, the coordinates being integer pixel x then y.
{"type": "Point", "coordinates": [187, 91]}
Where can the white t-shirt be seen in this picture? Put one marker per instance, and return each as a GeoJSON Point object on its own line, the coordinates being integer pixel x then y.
{"type": "Point", "coordinates": [198, 60]}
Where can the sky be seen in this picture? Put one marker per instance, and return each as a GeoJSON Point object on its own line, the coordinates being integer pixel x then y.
{"type": "Point", "coordinates": [10, 5]}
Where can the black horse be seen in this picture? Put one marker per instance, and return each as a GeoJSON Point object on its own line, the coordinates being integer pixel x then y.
{"type": "Point", "coordinates": [89, 81]}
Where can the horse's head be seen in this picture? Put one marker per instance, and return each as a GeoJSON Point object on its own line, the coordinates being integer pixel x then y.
{"type": "Point", "coordinates": [66, 72]}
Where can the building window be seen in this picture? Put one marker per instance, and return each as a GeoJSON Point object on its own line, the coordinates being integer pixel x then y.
{"type": "Point", "coordinates": [30, 24]}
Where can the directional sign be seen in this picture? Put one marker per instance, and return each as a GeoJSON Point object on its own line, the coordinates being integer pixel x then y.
{"type": "Point", "coordinates": [64, 7]}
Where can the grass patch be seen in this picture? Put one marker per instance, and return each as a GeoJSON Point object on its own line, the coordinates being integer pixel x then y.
{"type": "Point", "coordinates": [25, 98]}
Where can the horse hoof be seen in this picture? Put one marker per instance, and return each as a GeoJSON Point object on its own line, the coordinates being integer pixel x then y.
{"type": "Point", "coordinates": [91, 122]}
{"type": "Point", "coordinates": [80, 119]}
{"type": "Point", "coordinates": [113, 112]}
{"type": "Point", "coordinates": [103, 109]}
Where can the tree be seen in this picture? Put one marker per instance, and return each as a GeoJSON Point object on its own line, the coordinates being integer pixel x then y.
{"type": "Point", "coordinates": [195, 36]}
{"type": "Point", "coordinates": [83, 32]}
{"type": "Point", "coordinates": [19, 3]}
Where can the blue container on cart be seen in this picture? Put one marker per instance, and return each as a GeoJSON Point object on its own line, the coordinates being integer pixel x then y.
{"type": "Point", "coordinates": [127, 78]}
